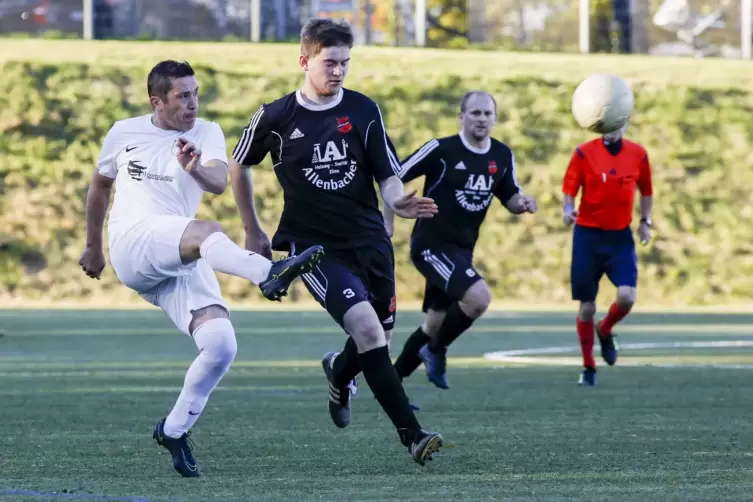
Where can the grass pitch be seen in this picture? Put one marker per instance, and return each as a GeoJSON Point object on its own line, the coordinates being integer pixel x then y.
{"type": "Point", "coordinates": [81, 391]}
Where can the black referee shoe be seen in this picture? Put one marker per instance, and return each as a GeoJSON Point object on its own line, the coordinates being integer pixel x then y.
{"type": "Point", "coordinates": [284, 271]}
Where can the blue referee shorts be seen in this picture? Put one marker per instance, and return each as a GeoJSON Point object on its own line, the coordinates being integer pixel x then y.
{"type": "Point", "coordinates": [597, 252]}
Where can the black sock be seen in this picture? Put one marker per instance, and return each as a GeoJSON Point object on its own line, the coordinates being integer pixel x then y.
{"type": "Point", "coordinates": [347, 366]}
{"type": "Point", "coordinates": [385, 384]}
{"type": "Point", "coordinates": [454, 324]}
{"type": "Point", "coordinates": [408, 360]}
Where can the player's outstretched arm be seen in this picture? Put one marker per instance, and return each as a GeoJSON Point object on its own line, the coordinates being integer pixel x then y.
{"type": "Point", "coordinates": [92, 259]}
{"type": "Point", "coordinates": [406, 205]}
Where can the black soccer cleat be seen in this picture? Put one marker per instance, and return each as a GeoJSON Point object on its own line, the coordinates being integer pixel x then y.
{"type": "Point", "coordinates": [422, 445]}
{"type": "Point", "coordinates": [284, 271]}
{"type": "Point", "coordinates": [180, 449]}
{"type": "Point", "coordinates": [339, 397]}
{"type": "Point", "coordinates": [609, 348]}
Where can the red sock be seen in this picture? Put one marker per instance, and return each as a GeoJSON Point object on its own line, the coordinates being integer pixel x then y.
{"type": "Point", "coordinates": [615, 315]}
{"type": "Point", "coordinates": [586, 337]}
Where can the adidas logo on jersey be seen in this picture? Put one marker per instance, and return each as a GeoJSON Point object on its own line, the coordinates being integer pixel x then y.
{"type": "Point", "coordinates": [296, 134]}
{"type": "Point", "coordinates": [460, 165]}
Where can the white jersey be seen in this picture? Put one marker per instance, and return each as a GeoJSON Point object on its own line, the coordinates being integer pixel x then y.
{"type": "Point", "coordinates": [149, 180]}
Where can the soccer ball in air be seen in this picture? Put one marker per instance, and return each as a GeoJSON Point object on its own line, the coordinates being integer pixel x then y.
{"type": "Point", "coordinates": [602, 103]}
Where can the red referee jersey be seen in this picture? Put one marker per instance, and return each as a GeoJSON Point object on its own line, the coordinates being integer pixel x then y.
{"type": "Point", "coordinates": [608, 183]}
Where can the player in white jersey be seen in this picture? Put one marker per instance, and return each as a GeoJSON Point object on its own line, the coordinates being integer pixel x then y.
{"type": "Point", "coordinates": [162, 164]}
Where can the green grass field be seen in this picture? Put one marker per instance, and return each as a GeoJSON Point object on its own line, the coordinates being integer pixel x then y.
{"type": "Point", "coordinates": [81, 391]}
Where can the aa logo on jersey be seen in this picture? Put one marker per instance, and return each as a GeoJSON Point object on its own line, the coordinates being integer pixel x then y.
{"type": "Point", "coordinates": [332, 168]}
{"type": "Point", "coordinates": [476, 195]}
{"type": "Point", "coordinates": [492, 166]}
{"type": "Point", "coordinates": [344, 125]}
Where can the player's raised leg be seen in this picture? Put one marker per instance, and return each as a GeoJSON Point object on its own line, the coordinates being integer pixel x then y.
{"type": "Point", "coordinates": [214, 336]}
{"type": "Point", "coordinates": [622, 271]}
{"type": "Point", "coordinates": [205, 239]}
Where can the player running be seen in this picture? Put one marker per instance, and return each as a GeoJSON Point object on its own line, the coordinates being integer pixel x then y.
{"type": "Point", "coordinates": [607, 169]}
{"type": "Point", "coordinates": [163, 163]}
{"type": "Point", "coordinates": [464, 172]}
{"type": "Point", "coordinates": [328, 146]}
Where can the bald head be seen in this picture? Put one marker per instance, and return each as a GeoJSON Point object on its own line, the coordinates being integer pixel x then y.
{"type": "Point", "coordinates": [478, 114]}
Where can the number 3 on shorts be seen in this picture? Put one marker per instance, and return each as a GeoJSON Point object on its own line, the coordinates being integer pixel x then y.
{"type": "Point", "coordinates": [348, 293]}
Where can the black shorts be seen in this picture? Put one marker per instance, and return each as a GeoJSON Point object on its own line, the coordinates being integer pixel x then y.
{"type": "Point", "coordinates": [448, 270]}
{"type": "Point", "coordinates": [345, 277]}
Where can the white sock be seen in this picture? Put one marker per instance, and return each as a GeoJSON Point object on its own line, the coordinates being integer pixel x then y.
{"type": "Point", "coordinates": [225, 256]}
{"type": "Point", "coordinates": [217, 347]}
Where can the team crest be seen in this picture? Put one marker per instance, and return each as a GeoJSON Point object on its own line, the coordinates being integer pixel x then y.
{"type": "Point", "coordinates": [492, 166]}
{"type": "Point", "coordinates": [344, 125]}
{"type": "Point", "coordinates": [393, 304]}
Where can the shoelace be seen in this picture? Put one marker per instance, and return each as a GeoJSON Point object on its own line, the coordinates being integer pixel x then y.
{"type": "Point", "coordinates": [189, 442]}
{"type": "Point", "coordinates": [353, 386]}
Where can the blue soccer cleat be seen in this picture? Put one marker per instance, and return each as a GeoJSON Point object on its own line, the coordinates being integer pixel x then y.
{"type": "Point", "coordinates": [180, 449]}
{"type": "Point", "coordinates": [587, 377]}
{"type": "Point", "coordinates": [609, 348]}
{"type": "Point", "coordinates": [436, 366]}
{"type": "Point", "coordinates": [284, 272]}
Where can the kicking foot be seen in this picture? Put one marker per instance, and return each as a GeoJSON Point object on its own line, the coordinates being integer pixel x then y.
{"type": "Point", "coordinates": [284, 271]}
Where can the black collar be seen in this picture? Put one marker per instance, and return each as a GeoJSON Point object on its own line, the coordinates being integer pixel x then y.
{"type": "Point", "coordinates": [613, 147]}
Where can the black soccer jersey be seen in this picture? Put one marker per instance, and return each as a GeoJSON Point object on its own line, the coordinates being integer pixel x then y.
{"type": "Point", "coordinates": [326, 158]}
{"type": "Point", "coordinates": [462, 180]}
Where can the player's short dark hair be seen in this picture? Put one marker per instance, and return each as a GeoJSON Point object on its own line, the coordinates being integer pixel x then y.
{"type": "Point", "coordinates": [160, 79]}
{"type": "Point", "coordinates": [320, 33]}
{"type": "Point", "coordinates": [468, 95]}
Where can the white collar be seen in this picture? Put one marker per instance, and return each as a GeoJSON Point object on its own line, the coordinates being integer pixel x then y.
{"type": "Point", "coordinates": [318, 108]}
{"type": "Point", "coordinates": [484, 149]}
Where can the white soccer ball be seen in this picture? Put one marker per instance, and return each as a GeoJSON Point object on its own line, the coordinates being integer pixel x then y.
{"type": "Point", "coordinates": [602, 103]}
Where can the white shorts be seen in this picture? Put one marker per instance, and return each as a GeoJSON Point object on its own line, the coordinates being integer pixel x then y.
{"type": "Point", "coordinates": [146, 258]}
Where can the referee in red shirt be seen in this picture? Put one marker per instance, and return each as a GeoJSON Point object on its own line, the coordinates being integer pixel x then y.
{"type": "Point", "coordinates": [607, 170]}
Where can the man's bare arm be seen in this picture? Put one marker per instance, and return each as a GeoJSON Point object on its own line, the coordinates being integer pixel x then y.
{"type": "Point", "coordinates": [97, 202]}
{"type": "Point", "coordinates": [391, 189]}
{"type": "Point", "coordinates": [212, 176]}
{"type": "Point", "coordinates": [389, 220]}
{"type": "Point", "coordinates": [646, 204]}
{"type": "Point", "coordinates": [243, 192]}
